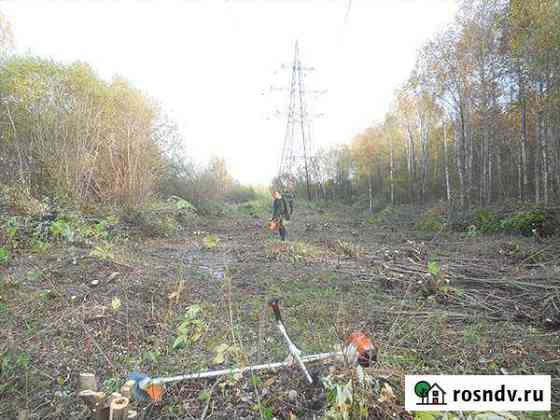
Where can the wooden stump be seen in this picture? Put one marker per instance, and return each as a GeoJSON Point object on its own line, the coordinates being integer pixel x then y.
{"type": "Point", "coordinates": [91, 398]}
{"type": "Point", "coordinates": [103, 407]}
{"type": "Point", "coordinates": [88, 382]}
{"type": "Point", "coordinates": [119, 409]}
{"type": "Point", "coordinates": [96, 403]}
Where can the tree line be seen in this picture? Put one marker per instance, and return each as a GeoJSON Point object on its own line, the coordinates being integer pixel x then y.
{"type": "Point", "coordinates": [69, 135]}
{"type": "Point", "coordinates": [477, 121]}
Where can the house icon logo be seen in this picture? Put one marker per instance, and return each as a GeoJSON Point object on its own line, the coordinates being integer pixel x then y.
{"type": "Point", "coordinates": [429, 394]}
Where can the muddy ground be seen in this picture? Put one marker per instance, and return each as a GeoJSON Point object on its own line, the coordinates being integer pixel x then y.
{"type": "Point", "coordinates": [483, 306]}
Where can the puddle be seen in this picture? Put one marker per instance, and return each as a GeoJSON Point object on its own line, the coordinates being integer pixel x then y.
{"type": "Point", "coordinates": [207, 262]}
{"type": "Point", "coordinates": [199, 261]}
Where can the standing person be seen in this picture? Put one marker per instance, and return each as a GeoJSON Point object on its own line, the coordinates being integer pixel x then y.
{"type": "Point", "coordinates": [279, 212]}
{"type": "Point", "coordinates": [290, 198]}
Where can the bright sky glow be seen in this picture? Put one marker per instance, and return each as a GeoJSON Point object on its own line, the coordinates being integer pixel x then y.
{"type": "Point", "coordinates": [209, 61]}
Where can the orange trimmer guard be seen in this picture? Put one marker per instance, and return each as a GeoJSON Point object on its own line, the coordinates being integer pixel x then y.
{"type": "Point", "coordinates": [155, 391]}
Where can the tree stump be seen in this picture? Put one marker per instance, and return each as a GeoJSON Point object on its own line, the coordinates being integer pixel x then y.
{"type": "Point", "coordinates": [87, 382]}
{"type": "Point", "coordinates": [119, 409]}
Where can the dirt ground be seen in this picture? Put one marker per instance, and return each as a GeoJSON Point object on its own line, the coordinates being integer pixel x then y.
{"type": "Point", "coordinates": [432, 303]}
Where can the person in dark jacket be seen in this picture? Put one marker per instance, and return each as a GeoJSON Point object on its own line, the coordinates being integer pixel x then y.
{"type": "Point", "coordinates": [279, 213]}
{"type": "Point", "coordinates": [290, 197]}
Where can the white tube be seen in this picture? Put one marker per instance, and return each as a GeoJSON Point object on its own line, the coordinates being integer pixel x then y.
{"type": "Point", "coordinates": [214, 373]}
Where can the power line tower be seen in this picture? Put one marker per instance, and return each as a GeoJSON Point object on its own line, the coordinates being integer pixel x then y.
{"type": "Point", "coordinates": [298, 158]}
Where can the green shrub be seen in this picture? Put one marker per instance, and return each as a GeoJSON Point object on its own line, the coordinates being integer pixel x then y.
{"type": "Point", "coordinates": [523, 222]}
{"type": "Point", "coordinates": [486, 221]}
{"type": "Point", "coordinates": [182, 204]}
{"type": "Point", "coordinates": [430, 221]}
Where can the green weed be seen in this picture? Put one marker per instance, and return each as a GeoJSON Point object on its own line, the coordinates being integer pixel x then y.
{"type": "Point", "coordinates": [190, 329]}
{"type": "Point", "coordinates": [112, 384]}
{"type": "Point", "coordinates": [210, 242]}
{"type": "Point", "coordinates": [103, 252]}
{"type": "Point", "coordinates": [11, 228]}
{"type": "Point", "coordinates": [472, 231]}
{"type": "Point", "coordinates": [151, 356]}
{"type": "Point", "coordinates": [473, 334]}
{"type": "Point", "coordinates": [60, 229]}
{"type": "Point", "coordinates": [34, 276]}
{"type": "Point", "coordinates": [11, 362]}
{"type": "Point", "coordinates": [351, 399]}
{"type": "Point", "coordinates": [39, 246]}
{"type": "Point", "coordinates": [182, 204]}
{"type": "Point", "coordinates": [4, 256]}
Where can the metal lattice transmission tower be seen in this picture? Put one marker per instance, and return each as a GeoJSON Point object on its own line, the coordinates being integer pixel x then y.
{"type": "Point", "coordinates": [298, 159]}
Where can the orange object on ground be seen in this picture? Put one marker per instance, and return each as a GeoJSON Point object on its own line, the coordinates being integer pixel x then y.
{"type": "Point", "coordinates": [273, 225]}
{"type": "Point", "coordinates": [155, 391]}
{"type": "Point", "coordinates": [365, 349]}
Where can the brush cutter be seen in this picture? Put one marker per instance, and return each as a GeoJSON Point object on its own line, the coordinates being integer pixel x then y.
{"type": "Point", "coordinates": [357, 349]}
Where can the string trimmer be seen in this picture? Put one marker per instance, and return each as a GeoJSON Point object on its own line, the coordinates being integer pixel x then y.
{"type": "Point", "coordinates": [358, 349]}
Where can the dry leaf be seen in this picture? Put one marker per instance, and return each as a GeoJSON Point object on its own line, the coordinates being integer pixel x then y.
{"type": "Point", "coordinates": [220, 353]}
{"type": "Point", "coordinates": [387, 394]}
{"type": "Point", "coordinates": [116, 303]}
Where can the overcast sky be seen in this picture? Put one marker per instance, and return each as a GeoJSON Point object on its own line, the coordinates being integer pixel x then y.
{"type": "Point", "coordinates": [208, 62]}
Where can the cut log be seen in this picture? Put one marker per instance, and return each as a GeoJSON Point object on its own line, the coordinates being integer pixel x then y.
{"type": "Point", "coordinates": [102, 412]}
{"type": "Point", "coordinates": [88, 382]}
{"type": "Point", "coordinates": [92, 398]}
{"type": "Point", "coordinates": [97, 403]}
{"type": "Point", "coordinates": [119, 409]}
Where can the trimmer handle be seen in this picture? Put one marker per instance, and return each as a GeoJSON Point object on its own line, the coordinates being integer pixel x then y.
{"type": "Point", "coordinates": [275, 305]}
